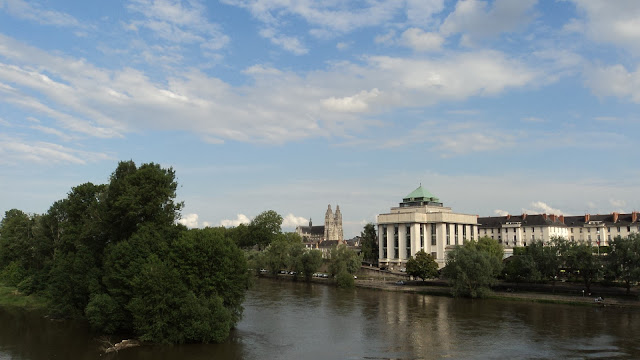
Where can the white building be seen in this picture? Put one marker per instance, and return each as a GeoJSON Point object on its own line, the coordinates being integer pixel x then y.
{"type": "Point", "coordinates": [421, 222]}
{"type": "Point", "coordinates": [518, 230]}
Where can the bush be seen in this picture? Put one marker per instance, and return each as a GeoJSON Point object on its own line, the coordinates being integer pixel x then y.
{"type": "Point", "coordinates": [345, 280]}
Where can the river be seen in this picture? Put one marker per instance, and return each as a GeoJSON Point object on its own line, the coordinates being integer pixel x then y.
{"type": "Point", "coordinates": [286, 320]}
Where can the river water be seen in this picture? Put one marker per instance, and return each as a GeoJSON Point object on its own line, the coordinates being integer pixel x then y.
{"type": "Point", "coordinates": [286, 320]}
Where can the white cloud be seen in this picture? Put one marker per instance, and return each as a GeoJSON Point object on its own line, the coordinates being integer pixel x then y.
{"type": "Point", "coordinates": [16, 151]}
{"type": "Point", "coordinates": [189, 220]}
{"type": "Point", "coordinates": [240, 219]}
{"type": "Point", "coordinates": [421, 12]}
{"type": "Point", "coordinates": [177, 21]}
{"type": "Point", "coordinates": [499, 212]}
{"type": "Point", "coordinates": [34, 12]}
{"type": "Point", "coordinates": [355, 103]}
{"type": "Point", "coordinates": [422, 41]}
{"type": "Point", "coordinates": [276, 107]}
{"type": "Point", "coordinates": [331, 17]}
{"type": "Point", "coordinates": [386, 38]}
{"type": "Point", "coordinates": [539, 207]}
{"type": "Point", "coordinates": [619, 204]}
{"type": "Point", "coordinates": [343, 45]}
{"type": "Point", "coordinates": [476, 19]}
{"type": "Point", "coordinates": [289, 43]}
{"type": "Point", "coordinates": [614, 80]}
{"type": "Point", "coordinates": [614, 22]}
{"type": "Point", "coordinates": [291, 221]}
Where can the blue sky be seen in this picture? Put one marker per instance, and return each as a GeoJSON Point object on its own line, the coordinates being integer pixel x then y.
{"type": "Point", "coordinates": [494, 106]}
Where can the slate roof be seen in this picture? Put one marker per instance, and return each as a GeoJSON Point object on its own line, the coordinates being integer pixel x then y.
{"type": "Point", "coordinates": [524, 220]}
{"type": "Point", "coordinates": [313, 230]}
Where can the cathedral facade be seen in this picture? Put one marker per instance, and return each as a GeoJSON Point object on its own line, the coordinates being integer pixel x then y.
{"type": "Point", "coordinates": [330, 233]}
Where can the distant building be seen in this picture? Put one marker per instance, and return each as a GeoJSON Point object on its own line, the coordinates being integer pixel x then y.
{"type": "Point", "coordinates": [323, 237]}
{"type": "Point", "coordinates": [520, 230]}
{"type": "Point", "coordinates": [421, 222]}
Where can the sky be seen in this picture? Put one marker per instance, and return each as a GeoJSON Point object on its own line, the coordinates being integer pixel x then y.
{"type": "Point", "coordinates": [495, 107]}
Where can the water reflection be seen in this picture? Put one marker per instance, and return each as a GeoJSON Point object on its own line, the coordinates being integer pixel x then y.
{"type": "Point", "coordinates": [289, 320]}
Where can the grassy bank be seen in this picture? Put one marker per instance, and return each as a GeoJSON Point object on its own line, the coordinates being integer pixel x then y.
{"type": "Point", "coordinates": [10, 296]}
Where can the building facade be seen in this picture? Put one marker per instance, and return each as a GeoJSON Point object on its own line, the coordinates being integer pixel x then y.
{"type": "Point", "coordinates": [421, 222]}
{"type": "Point", "coordinates": [518, 230]}
{"type": "Point", "coordinates": [323, 237]}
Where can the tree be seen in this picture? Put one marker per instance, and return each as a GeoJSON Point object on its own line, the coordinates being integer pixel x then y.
{"type": "Point", "coordinates": [580, 258]}
{"type": "Point", "coordinates": [309, 263]}
{"type": "Point", "coordinates": [623, 260]}
{"type": "Point", "coordinates": [369, 244]}
{"type": "Point", "coordinates": [521, 268]}
{"type": "Point", "coordinates": [139, 195]}
{"type": "Point", "coordinates": [422, 265]}
{"type": "Point", "coordinates": [344, 264]}
{"type": "Point", "coordinates": [277, 254]}
{"type": "Point", "coordinates": [473, 267]}
{"type": "Point", "coordinates": [264, 228]}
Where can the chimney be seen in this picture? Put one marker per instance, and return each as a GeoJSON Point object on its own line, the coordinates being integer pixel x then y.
{"type": "Point", "coordinates": [524, 216]}
{"type": "Point", "coordinates": [586, 218]}
{"type": "Point", "coordinates": [615, 217]}
{"type": "Point", "coordinates": [634, 216]}
{"type": "Point", "coordinates": [561, 218]}
{"type": "Point", "coordinates": [508, 216]}
{"type": "Point", "coordinates": [544, 216]}
{"type": "Point", "coordinates": [552, 217]}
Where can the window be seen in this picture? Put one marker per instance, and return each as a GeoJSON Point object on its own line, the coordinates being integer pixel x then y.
{"type": "Point", "coordinates": [609, 229]}
{"type": "Point", "coordinates": [572, 230]}
{"type": "Point", "coordinates": [433, 234]}
{"type": "Point", "coordinates": [434, 254]}
{"type": "Point", "coordinates": [532, 237]}
{"type": "Point", "coordinates": [628, 228]}
{"type": "Point", "coordinates": [384, 241]}
{"type": "Point", "coordinates": [395, 242]}
{"type": "Point", "coordinates": [473, 233]}
{"type": "Point", "coordinates": [485, 231]}
{"type": "Point", "coordinates": [492, 231]}
{"type": "Point", "coordinates": [618, 228]}
{"type": "Point", "coordinates": [533, 229]}
{"type": "Point", "coordinates": [588, 230]}
{"type": "Point", "coordinates": [455, 236]}
{"type": "Point", "coordinates": [448, 233]}
{"type": "Point", "coordinates": [408, 241]}
{"type": "Point", "coordinates": [580, 230]}
{"type": "Point", "coordinates": [572, 239]}
{"type": "Point", "coordinates": [464, 232]}
{"type": "Point", "coordinates": [421, 236]}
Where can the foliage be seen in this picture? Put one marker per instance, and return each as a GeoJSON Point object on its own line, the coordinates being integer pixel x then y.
{"type": "Point", "coordinates": [344, 260]}
{"type": "Point", "coordinates": [422, 265]}
{"type": "Point", "coordinates": [521, 268]}
{"type": "Point", "coordinates": [345, 280]}
{"type": "Point", "coordinates": [277, 254]}
{"type": "Point", "coordinates": [623, 260]}
{"type": "Point", "coordinates": [473, 267]}
{"type": "Point", "coordinates": [263, 229]}
{"type": "Point", "coordinates": [369, 244]}
{"type": "Point", "coordinates": [113, 254]}
{"type": "Point", "coordinates": [310, 262]}
{"type": "Point", "coordinates": [580, 258]}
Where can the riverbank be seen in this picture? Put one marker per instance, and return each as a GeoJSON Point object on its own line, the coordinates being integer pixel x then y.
{"type": "Point", "coordinates": [10, 296]}
{"type": "Point", "coordinates": [439, 288]}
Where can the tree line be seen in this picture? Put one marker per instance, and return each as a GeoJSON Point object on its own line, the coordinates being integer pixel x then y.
{"type": "Point", "coordinates": [113, 254]}
{"type": "Point", "coordinates": [472, 268]}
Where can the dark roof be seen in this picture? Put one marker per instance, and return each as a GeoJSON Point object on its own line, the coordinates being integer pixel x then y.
{"type": "Point", "coordinates": [329, 243]}
{"type": "Point", "coordinates": [524, 220]}
{"type": "Point", "coordinates": [313, 230]}
{"type": "Point", "coordinates": [555, 220]}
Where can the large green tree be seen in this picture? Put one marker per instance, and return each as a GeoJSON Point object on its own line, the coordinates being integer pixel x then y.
{"type": "Point", "coordinates": [623, 260]}
{"type": "Point", "coordinates": [580, 258]}
{"type": "Point", "coordinates": [473, 267]}
{"type": "Point", "coordinates": [422, 265]}
{"type": "Point", "coordinates": [369, 244]}
{"type": "Point", "coordinates": [263, 229]}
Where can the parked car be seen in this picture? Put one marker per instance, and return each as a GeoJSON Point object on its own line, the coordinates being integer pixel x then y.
{"type": "Point", "coordinates": [264, 271]}
{"type": "Point", "coordinates": [400, 282]}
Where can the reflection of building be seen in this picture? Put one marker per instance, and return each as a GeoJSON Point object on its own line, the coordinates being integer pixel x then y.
{"type": "Point", "coordinates": [421, 222]}
{"type": "Point", "coordinates": [323, 237]}
{"type": "Point", "coordinates": [518, 230]}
